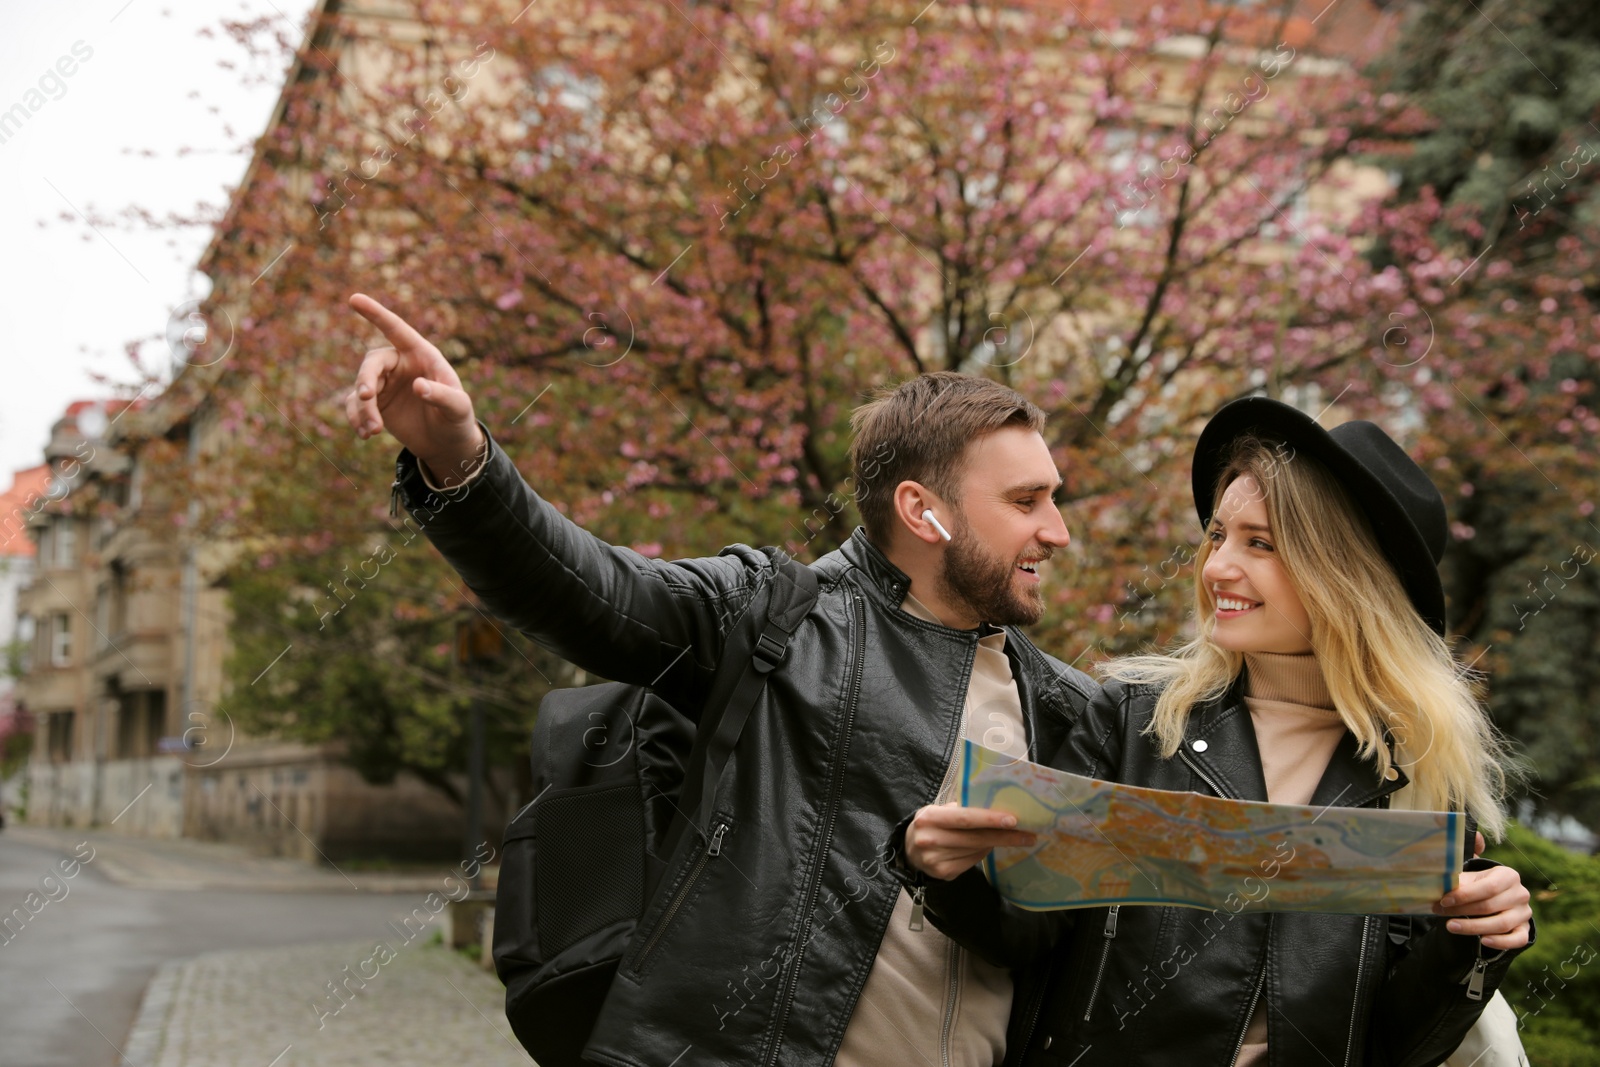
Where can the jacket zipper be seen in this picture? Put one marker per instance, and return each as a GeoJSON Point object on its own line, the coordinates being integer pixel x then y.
{"type": "Point", "coordinates": [1366, 924]}
{"type": "Point", "coordinates": [825, 841]}
{"type": "Point", "coordinates": [953, 992]}
{"type": "Point", "coordinates": [1249, 1016]}
{"type": "Point", "coordinates": [919, 906]}
{"type": "Point", "coordinates": [1474, 979]}
{"type": "Point", "coordinates": [1037, 1005]}
{"type": "Point", "coordinates": [1255, 994]}
{"type": "Point", "coordinates": [1033, 1023]}
{"type": "Point", "coordinates": [952, 998]}
{"type": "Point", "coordinates": [713, 848]}
{"type": "Point", "coordinates": [1221, 791]}
{"type": "Point", "coordinates": [1105, 955]}
{"type": "Point", "coordinates": [1355, 1011]}
{"type": "Point", "coordinates": [951, 770]}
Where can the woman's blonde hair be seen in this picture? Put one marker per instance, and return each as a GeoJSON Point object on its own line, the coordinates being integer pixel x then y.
{"type": "Point", "coordinates": [1388, 672]}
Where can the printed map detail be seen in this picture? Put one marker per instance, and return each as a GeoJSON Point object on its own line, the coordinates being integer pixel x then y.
{"type": "Point", "coordinates": [1104, 843]}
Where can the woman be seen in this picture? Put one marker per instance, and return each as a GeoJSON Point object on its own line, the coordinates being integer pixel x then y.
{"type": "Point", "coordinates": [1318, 675]}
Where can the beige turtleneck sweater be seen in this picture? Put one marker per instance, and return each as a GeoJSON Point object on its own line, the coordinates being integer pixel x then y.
{"type": "Point", "coordinates": [928, 1002]}
{"type": "Point", "coordinates": [1297, 730]}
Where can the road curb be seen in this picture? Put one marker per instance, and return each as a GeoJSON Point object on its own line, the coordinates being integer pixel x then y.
{"type": "Point", "coordinates": [145, 1037]}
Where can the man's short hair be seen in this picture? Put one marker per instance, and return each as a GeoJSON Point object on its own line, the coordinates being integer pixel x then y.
{"type": "Point", "coordinates": [919, 431]}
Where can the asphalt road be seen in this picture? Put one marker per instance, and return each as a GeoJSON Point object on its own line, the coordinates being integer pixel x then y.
{"type": "Point", "coordinates": [72, 977]}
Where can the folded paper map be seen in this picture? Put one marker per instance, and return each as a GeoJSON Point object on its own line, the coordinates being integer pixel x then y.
{"type": "Point", "coordinates": [1104, 843]}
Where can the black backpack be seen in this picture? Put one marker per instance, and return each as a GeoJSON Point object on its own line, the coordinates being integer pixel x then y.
{"type": "Point", "coordinates": [620, 777]}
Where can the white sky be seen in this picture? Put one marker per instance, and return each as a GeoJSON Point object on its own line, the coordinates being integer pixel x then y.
{"type": "Point", "coordinates": [72, 304]}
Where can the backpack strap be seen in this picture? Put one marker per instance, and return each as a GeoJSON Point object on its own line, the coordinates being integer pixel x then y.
{"type": "Point", "coordinates": [792, 594]}
{"type": "Point", "coordinates": [794, 591]}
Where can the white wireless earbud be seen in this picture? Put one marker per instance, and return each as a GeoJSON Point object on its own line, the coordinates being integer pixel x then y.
{"type": "Point", "coordinates": [929, 516]}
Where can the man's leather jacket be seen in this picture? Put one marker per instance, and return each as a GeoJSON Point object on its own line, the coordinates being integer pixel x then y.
{"type": "Point", "coordinates": [1156, 986]}
{"type": "Point", "coordinates": [756, 946]}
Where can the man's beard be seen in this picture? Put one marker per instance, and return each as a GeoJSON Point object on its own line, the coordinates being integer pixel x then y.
{"type": "Point", "coordinates": [987, 583]}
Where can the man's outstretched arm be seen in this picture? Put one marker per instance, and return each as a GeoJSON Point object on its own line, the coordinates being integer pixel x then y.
{"type": "Point", "coordinates": [609, 610]}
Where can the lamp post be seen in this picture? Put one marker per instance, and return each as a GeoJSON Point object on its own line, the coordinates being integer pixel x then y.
{"type": "Point", "coordinates": [478, 643]}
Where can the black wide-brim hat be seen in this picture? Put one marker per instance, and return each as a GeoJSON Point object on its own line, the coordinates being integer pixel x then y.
{"type": "Point", "coordinates": [1403, 505]}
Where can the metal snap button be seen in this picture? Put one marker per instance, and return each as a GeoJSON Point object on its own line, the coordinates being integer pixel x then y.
{"type": "Point", "coordinates": [1199, 745]}
{"type": "Point", "coordinates": [1048, 1041]}
{"type": "Point", "coordinates": [1392, 773]}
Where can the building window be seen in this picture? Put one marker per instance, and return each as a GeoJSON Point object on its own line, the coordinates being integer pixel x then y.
{"type": "Point", "coordinates": [118, 623]}
{"type": "Point", "coordinates": [60, 640]}
{"type": "Point", "coordinates": [60, 736]}
{"type": "Point", "coordinates": [130, 745]}
{"type": "Point", "coordinates": [141, 723]}
{"type": "Point", "coordinates": [102, 617]}
{"type": "Point", "coordinates": [65, 543]}
{"type": "Point", "coordinates": [1137, 199]}
{"type": "Point", "coordinates": [26, 635]}
{"type": "Point", "coordinates": [557, 89]}
{"type": "Point", "coordinates": [155, 718]}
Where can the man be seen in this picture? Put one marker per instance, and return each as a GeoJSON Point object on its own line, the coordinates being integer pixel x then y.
{"type": "Point", "coordinates": [783, 939]}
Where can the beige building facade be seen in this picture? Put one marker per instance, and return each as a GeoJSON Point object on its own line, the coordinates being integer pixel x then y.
{"type": "Point", "coordinates": [123, 673]}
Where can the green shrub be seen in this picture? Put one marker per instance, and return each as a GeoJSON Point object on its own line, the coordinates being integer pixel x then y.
{"type": "Point", "coordinates": [1554, 986]}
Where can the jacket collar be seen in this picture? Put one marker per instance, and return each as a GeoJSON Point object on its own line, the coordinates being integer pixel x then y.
{"type": "Point", "coordinates": [1219, 741]}
{"type": "Point", "coordinates": [1039, 686]}
{"type": "Point", "coordinates": [889, 580]}
{"type": "Point", "coordinates": [895, 584]}
{"type": "Point", "coordinates": [1351, 782]}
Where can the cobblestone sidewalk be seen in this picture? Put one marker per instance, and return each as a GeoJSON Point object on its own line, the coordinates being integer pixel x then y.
{"type": "Point", "coordinates": [272, 1008]}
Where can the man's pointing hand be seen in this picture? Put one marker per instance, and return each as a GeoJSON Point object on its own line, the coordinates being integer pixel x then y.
{"type": "Point", "coordinates": [412, 391]}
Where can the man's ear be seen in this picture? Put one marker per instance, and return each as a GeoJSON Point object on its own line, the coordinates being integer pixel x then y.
{"type": "Point", "coordinates": [911, 499]}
